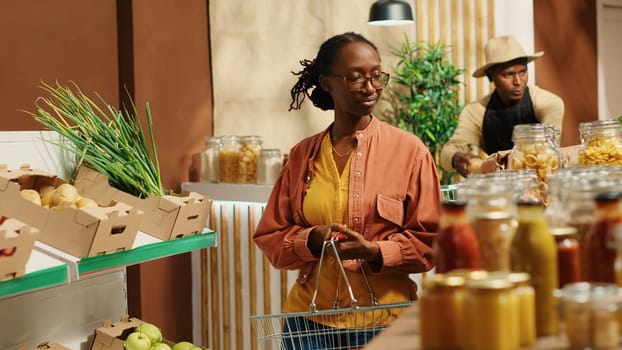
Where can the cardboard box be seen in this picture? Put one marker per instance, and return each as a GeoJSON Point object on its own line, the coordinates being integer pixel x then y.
{"type": "Point", "coordinates": [82, 232]}
{"type": "Point", "coordinates": [166, 217]}
{"type": "Point", "coordinates": [111, 336]}
{"type": "Point", "coordinates": [47, 346]}
{"type": "Point", "coordinates": [17, 240]}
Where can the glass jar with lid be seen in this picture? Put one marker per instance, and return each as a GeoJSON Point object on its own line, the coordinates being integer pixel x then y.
{"type": "Point", "coordinates": [490, 312]}
{"type": "Point", "coordinates": [229, 159]}
{"type": "Point", "coordinates": [455, 246]}
{"type": "Point", "coordinates": [534, 149]}
{"type": "Point", "coordinates": [590, 313]}
{"type": "Point", "coordinates": [534, 251]}
{"type": "Point", "coordinates": [441, 306]}
{"type": "Point", "coordinates": [568, 255]}
{"type": "Point", "coordinates": [209, 159]}
{"type": "Point", "coordinates": [601, 142]}
{"type": "Point", "coordinates": [491, 210]}
{"type": "Point", "coordinates": [250, 147]}
{"type": "Point", "coordinates": [269, 166]}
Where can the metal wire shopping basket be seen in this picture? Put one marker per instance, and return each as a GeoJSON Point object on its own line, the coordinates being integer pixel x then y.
{"type": "Point", "coordinates": [315, 329]}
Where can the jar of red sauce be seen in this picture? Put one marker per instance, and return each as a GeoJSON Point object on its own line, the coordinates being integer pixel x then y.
{"type": "Point", "coordinates": [600, 238]}
{"type": "Point", "coordinates": [568, 255]}
{"type": "Point", "coordinates": [455, 246]}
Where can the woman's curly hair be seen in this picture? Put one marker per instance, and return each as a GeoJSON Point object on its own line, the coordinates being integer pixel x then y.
{"type": "Point", "coordinates": [308, 77]}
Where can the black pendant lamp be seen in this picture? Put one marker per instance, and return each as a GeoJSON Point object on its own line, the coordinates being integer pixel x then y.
{"type": "Point", "coordinates": [390, 13]}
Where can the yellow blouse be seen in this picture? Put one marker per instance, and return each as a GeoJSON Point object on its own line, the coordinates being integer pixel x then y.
{"type": "Point", "coordinates": [326, 202]}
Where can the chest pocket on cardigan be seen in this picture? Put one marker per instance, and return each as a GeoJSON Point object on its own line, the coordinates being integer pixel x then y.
{"type": "Point", "coordinates": [390, 209]}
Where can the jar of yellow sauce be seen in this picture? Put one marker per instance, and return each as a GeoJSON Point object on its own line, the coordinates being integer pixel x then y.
{"type": "Point", "coordinates": [441, 309]}
{"type": "Point", "coordinates": [490, 313]}
{"type": "Point", "coordinates": [534, 251]}
{"type": "Point", "coordinates": [526, 305]}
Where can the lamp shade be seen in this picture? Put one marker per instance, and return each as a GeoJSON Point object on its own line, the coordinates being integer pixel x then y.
{"type": "Point", "coordinates": [390, 12]}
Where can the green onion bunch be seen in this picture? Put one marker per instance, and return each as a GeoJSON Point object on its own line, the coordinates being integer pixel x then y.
{"type": "Point", "coordinates": [106, 139]}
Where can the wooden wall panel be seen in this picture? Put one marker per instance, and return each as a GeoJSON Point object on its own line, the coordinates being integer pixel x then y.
{"type": "Point", "coordinates": [566, 31]}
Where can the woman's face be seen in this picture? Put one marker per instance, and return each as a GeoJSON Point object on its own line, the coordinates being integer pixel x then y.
{"type": "Point", "coordinates": [350, 81]}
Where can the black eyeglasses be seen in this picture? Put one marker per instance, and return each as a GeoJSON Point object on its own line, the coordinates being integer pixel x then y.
{"type": "Point", "coordinates": [357, 83]}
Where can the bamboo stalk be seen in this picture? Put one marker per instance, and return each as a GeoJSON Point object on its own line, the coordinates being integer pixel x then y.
{"type": "Point", "coordinates": [237, 265]}
{"type": "Point", "coordinates": [226, 286]}
{"type": "Point", "coordinates": [252, 257]}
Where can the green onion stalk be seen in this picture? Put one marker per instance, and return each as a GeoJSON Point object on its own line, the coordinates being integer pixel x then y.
{"type": "Point", "coordinates": [106, 139]}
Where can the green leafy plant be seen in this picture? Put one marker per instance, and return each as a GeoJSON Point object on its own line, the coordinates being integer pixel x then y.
{"type": "Point", "coordinates": [423, 96]}
{"type": "Point", "coordinates": [108, 140]}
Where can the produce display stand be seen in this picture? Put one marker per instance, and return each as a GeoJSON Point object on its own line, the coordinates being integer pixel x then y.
{"type": "Point", "coordinates": [100, 279]}
{"type": "Point", "coordinates": [62, 299]}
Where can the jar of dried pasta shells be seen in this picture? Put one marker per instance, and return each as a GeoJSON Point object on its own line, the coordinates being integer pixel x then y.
{"type": "Point", "coordinates": [250, 148]}
{"type": "Point", "coordinates": [535, 149]}
{"type": "Point", "coordinates": [601, 142]}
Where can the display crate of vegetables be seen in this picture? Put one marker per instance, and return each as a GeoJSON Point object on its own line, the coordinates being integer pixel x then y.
{"type": "Point", "coordinates": [67, 219]}
{"type": "Point", "coordinates": [118, 161]}
{"type": "Point", "coordinates": [17, 239]}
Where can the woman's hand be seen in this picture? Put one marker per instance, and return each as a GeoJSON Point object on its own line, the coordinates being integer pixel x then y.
{"type": "Point", "coordinates": [350, 244]}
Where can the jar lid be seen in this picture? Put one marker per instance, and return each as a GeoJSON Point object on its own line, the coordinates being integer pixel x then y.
{"type": "Point", "coordinates": [469, 274]}
{"type": "Point", "coordinates": [516, 278]}
{"type": "Point", "coordinates": [489, 283]}
{"type": "Point", "coordinates": [566, 231]}
{"type": "Point", "coordinates": [443, 280]}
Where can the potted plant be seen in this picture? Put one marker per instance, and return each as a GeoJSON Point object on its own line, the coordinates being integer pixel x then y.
{"type": "Point", "coordinates": [423, 96]}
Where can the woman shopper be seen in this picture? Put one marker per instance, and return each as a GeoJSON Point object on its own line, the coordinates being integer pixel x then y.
{"type": "Point", "coordinates": [372, 182]}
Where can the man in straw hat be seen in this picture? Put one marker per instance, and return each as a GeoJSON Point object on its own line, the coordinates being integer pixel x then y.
{"type": "Point", "coordinates": [488, 123]}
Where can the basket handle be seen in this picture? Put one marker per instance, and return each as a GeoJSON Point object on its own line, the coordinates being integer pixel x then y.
{"type": "Point", "coordinates": [330, 244]}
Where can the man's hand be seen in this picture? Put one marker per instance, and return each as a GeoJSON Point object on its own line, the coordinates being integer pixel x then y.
{"type": "Point", "coordinates": [461, 161]}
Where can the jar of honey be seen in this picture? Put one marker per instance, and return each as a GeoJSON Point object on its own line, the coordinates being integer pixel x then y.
{"type": "Point", "coordinates": [490, 313]}
{"type": "Point", "coordinates": [441, 306]}
{"type": "Point", "coordinates": [455, 246]}
{"type": "Point", "coordinates": [229, 159]}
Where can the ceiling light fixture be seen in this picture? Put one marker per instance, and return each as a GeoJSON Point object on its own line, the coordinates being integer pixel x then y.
{"type": "Point", "coordinates": [390, 13]}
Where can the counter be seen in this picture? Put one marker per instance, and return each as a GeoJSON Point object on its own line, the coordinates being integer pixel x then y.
{"type": "Point", "coordinates": [403, 334]}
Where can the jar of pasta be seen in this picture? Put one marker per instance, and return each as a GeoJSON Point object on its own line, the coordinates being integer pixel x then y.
{"type": "Point", "coordinates": [229, 159]}
{"type": "Point", "coordinates": [602, 142]}
{"type": "Point", "coordinates": [250, 148]}
{"type": "Point", "coordinates": [534, 148]}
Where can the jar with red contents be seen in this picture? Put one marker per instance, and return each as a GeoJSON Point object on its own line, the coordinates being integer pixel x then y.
{"type": "Point", "coordinates": [600, 238]}
{"type": "Point", "coordinates": [455, 246]}
{"type": "Point", "coordinates": [568, 255]}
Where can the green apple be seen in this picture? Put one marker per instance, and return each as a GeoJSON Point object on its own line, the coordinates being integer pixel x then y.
{"type": "Point", "coordinates": [137, 341]}
{"type": "Point", "coordinates": [160, 346]}
{"type": "Point", "coordinates": [151, 331]}
{"type": "Point", "coordinates": [184, 345]}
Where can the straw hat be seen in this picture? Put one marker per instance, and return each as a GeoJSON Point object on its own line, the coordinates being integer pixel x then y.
{"type": "Point", "coordinates": [503, 49]}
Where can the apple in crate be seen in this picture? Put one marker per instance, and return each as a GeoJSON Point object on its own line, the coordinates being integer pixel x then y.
{"type": "Point", "coordinates": [151, 331]}
{"type": "Point", "coordinates": [160, 346]}
{"type": "Point", "coordinates": [137, 341]}
{"type": "Point", "coordinates": [184, 345]}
